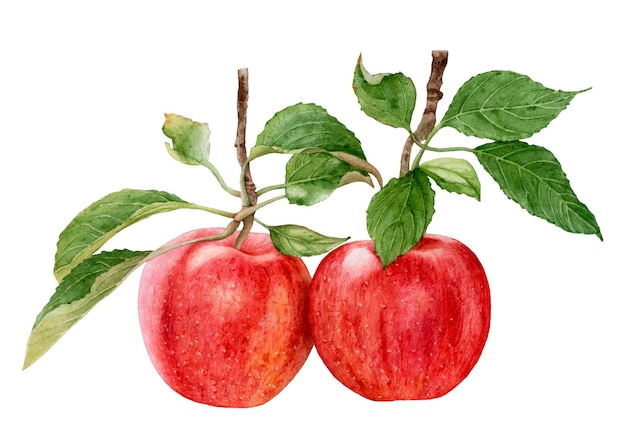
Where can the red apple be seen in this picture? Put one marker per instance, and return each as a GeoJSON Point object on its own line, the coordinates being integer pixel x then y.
{"type": "Point", "coordinates": [223, 326]}
{"type": "Point", "coordinates": [413, 330]}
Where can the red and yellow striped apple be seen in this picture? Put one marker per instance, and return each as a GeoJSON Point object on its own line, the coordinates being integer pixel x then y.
{"type": "Point", "coordinates": [223, 326]}
{"type": "Point", "coordinates": [413, 330]}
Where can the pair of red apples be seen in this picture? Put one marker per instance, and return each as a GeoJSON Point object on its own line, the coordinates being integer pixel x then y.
{"type": "Point", "coordinates": [232, 327]}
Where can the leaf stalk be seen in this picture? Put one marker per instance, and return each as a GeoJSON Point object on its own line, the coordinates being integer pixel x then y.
{"type": "Point", "coordinates": [221, 181]}
{"type": "Point", "coordinates": [228, 230]}
{"type": "Point", "coordinates": [247, 212]}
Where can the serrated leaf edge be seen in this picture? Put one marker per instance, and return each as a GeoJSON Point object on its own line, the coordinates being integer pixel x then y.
{"type": "Point", "coordinates": [447, 121]}
{"type": "Point", "coordinates": [594, 227]}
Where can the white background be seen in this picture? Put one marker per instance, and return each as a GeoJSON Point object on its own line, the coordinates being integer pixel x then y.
{"type": "Point", "coordinates": [83, 90]}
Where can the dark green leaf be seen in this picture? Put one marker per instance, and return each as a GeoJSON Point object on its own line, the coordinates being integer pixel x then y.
{"type": "Point", "coordinates": [190, 140]}
{"type": "Point", "coordinates": [300, 241]}
{"type": "Point", "coordinates": [453, 175]}
{"type": "Point", "coordinates": [85, 286]}
{"type": "Point", "coordinates": [312, 175]}
{"type": "Point", "coordinates": [532, 177]}
{"type": "Point", "coordinates": [398, 215]}
{"type": "Point", "coordinates": [504, 106]}
{"type": "Point", "coordinates": [95, 225]}
{"type": "Point", "coordinates": [303, 126]}
{"type": "Point", "coordinates": [388, 98]}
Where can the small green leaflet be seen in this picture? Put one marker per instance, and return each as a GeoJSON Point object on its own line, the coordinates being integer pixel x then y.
{"type": "Point", "coordinates": [85, 286]}
{"type": "Point", "coordinates": [311, 177]}
{"type": "Point", "coordinates": [398, 215]}
{"type": "Point", "coordinates": [388, 98]}
{"type": "Point", "coordinates": [531, 176]}
{"type": "Point", "coordinates": [300, 241]}
{"type": "Point", "coordinates": [190, 140]}
{"type": "Point", "coordinates": [454, 175]}
{"type": "Point", "coordinates": [355, 161]}
{"type": "Point", "coordinates": [504, 106]}
{"type": "Point", "coordinates": [99, 222]}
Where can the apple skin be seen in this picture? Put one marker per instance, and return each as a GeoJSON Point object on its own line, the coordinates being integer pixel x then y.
{"type": "Point", "coordinates": [222, 326]}
{"type": "Point", "coordinates": [413, 330]}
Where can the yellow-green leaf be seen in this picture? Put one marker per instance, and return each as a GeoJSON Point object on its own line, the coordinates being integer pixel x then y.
{"type": "Point", "coordinates": [85, 286]}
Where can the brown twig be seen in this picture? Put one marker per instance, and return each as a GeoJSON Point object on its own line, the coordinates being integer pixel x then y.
{"type": "Point", "coordinates": [405, 157]}
{"type": "Point", "coordinates": [434, 95]}
{"type": "Point", "coordinates": [429, 118]}
{"type": "Point", "coordinates": [240, 141]}
{"type": "Point", "coordinates": [248, 196]}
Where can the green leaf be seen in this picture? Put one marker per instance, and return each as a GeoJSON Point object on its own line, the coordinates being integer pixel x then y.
{"type": "Point", "coordinates": [453, 175]}
{"type": "Point", "coordinates": [190, 140]}
{"type": "Point", "coordinates": [398, 215]}
{"type": "Point", "coordinates": [303, 126]}
{"type": "Point", "coordinates": [358, 163]}
{"type": "Point", "coordinates": [504, 106]}
{"type": "Point", "coordinates": [300, 241]}
{"type": "Point", "coordinates": [99, 222]}
{"type": "Point", "coordinates": [312, 175]}
{"type": "Point", "coordinates": [531, 176]}
{"type": "Point", "coordinates": [85, 286]}
{"type": "Point", "coordinates": [388, 98]}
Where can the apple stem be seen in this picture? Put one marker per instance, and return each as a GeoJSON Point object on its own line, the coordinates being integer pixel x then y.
{"type": "Point", "coordinates": [429, 118]}
{"type": "Point", "coordinates": [248, 188]}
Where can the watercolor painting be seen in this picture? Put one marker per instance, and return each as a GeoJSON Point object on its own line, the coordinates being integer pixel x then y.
{"type": "Point", "coordinates": [390, 246]}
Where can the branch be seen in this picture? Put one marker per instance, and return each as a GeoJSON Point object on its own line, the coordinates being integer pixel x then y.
{"type": "Point", "coordinates": [434, 95]}
{"type": "Point", "coordinates": [405, 157]}
{"type": "Point", "coordinates": [429, 118]}
{"type": "Point", "coordinates": [248, 188]}
{"type": "Point", "coordinates": [248, 198]}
